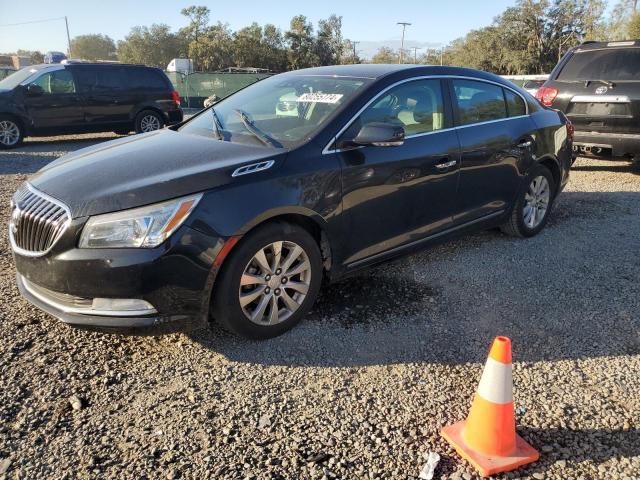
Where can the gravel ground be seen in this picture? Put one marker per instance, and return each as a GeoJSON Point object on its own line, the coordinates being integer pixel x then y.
{"type": "Point", "coordinates": [361, 388]}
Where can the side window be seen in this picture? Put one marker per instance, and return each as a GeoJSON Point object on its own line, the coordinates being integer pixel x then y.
{"type": "Point", "coordinates": [417, 106]}
{"type": "Point", "coordinates": [60, 81]}
{"type": "Point", "coordinates": [100, 79]}
{"type": "Point", "coordinates": [479, 101]}
{"type": "Point", "coordinates": [145, 78]}
{"type": "Point", "coordinates": [515, 104]}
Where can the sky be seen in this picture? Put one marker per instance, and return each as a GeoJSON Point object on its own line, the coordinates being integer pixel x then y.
{"type": "Point", "coordinates": [373, 23]}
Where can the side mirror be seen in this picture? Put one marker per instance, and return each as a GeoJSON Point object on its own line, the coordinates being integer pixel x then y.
{"type": "Point", "coordinates": [34, 90]}
{"type": "Point", "coordinates": [378, 134]}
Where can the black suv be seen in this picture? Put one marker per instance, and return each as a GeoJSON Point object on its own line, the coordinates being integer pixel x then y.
{"type": "Point", "coordinates": [85, 97]}
{"type": "Point", "coordinates": [597, 85]}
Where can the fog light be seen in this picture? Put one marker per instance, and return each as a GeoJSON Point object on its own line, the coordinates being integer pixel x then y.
{"type": "Point", "coordinates": [129, 305]}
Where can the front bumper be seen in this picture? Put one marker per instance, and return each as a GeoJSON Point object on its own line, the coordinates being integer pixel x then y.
{"type": "Point", "coordinates": [175, 278]}
{"type": "Point", "coordinates": [615, 144]}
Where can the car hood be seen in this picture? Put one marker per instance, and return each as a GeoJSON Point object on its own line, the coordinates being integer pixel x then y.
{"type": "Point", "coordinates": [143, 169]}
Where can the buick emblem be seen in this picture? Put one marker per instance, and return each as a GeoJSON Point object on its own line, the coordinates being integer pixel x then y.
{"type": "Point", "coordinates": [601, 90]}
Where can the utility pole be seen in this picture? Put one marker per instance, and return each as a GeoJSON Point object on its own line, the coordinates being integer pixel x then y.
{"type": "Point", "coordinates": [354, 50]}
{"type": "Point", "coordinates": [66, 22]}
{"type": "Point", "coordinates": [404, 26]}
{"type": "Point", "coordinates": [415, 54]}
{"type": "Point", "coordinates": [441, 54]}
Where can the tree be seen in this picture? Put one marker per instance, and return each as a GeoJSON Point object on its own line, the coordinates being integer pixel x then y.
{"type": "Point", "coordinates": [300, 40]}
{"type": "Point", "coordinates": [633, 27]}
{"type": "Point", "coordinates": [385, 55]}
{"type": "Point", "coordinates": [195, 34]}
{"type": "Point", "coordinates": [349, 54]}
{"type": "Point", "coordinates": [93, 47]}
{"type": "Point", "coordinates": [154, 46]}
{"type": "Point", "coordinates": [329, 42]}
{"type": "Point", "coordinates": [617, 28]}
{"type": "Point", "coordinates": [34, 55]}
{"type": "Point", "coordinates": [214, 50]}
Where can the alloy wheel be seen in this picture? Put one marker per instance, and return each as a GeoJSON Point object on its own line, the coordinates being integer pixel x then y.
{"type": "Point", "coordinates": [536, 202]}
{"type": "Point", "coordinates": [275, 283]}
{"type": "Point", "coordinates": [149, 123]}
{"type": "Point", "coordinates": [9, 133]}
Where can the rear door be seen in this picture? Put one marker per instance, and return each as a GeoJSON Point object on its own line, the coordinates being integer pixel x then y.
{"type": "Point", "coordinates": [396, 195]}
{"type": "Point", "coordinates": [106, 98]}
{"type": "Point", "coordinates": [599, 88]}
{"type": "Point", "coordinates": [496, 136]}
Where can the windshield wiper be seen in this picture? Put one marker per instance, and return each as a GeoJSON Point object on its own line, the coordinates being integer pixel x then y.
{"type": "Point", "coordinates": [606, 82]}
{"type": "Point", "coordinates": [259, 134]}
{"type": "Point", "coordinates": [217, 125]}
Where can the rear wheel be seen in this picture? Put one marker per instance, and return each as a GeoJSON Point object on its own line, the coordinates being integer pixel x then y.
{"type": "Point", "coordinates": [11, 133]}
{"type": "Point", "coordinates": [148, 121]}
{"type": "Point", "coordinates": [269, 282]}
{"type": "Point", "coordinates": [531, 210]}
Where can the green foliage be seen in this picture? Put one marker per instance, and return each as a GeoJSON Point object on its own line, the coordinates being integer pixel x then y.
{"type": "Point", "coordinates": [93, 47]}
{"type": "Point", "coordinates": [35, 56]}
{"type": "Point", "coordinates": [154, 46]}
{"type": "Point", "coordinates": [633, 27]}
{"type": "Point", "coordinates": [385, 55]}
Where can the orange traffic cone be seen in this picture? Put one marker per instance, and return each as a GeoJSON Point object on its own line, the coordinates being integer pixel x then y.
{"type": "Point", "coordinates": [487, 438]}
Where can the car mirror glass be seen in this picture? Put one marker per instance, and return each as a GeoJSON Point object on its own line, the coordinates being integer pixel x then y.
{"type": "Point", "coordinates": [379, 134]}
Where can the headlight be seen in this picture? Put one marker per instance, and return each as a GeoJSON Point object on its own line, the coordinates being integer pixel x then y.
{"type": "Point", "coordinates": [145, 227]}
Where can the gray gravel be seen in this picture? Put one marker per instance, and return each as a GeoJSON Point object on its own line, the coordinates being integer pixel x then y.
{"type": "Point", "coordinates": [361, 388]}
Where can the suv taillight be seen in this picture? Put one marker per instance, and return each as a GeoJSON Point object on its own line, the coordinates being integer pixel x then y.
{"type": "Point", "coordinates": [547, 95]}
{"type": "Point", "coordinates": [175, 96]}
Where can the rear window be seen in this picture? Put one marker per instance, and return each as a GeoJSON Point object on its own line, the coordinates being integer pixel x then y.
{"type": "Point", "coordinates": [605, 64]}
{"type": "Point", "coordinates": [147, 78]}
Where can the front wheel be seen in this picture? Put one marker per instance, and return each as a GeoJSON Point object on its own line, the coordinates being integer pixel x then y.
{"type": "Point", "coordinates": [268, 282]}
{"type": "Point", "coordinates": [11, 133]}
{"type": "Point", "coordinates": [531, 210]}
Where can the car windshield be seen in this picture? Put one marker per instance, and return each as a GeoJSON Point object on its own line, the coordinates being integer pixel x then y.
{"type": "Point", "coordinates": [15, 79]}
{"type": "Point", "coordinates": [616, 64]}
{"type": "Point", "coordinates": [279, 112]}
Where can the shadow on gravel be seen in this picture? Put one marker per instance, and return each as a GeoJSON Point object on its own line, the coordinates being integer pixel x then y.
{"type": "Point", "coordinates": [575, 446]}
{"type": "Point", "coordinates": [621, 167]}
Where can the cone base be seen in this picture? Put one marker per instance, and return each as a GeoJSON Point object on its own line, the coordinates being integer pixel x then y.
{"type": "Point", "coordinates": [488, 464]}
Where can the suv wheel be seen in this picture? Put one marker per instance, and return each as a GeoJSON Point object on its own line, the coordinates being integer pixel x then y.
{"type": "Point", "coordinates": [148, 121]}
{"type": "Point", "coordinates": [269, 282]}
{"type": "Point", "coordinates": [531, 210]}
{"type": "Point", "coordinates": [11, 133]}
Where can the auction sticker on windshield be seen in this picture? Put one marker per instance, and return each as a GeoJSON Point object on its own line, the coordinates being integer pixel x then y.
{"type": "Point", "coordinates": [320, 97]}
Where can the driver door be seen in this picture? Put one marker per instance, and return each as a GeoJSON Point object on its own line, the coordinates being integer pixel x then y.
{"type": "Point", "coordinates": [396, 195]}
{"type": "Point", "coordinates": [57, 106]}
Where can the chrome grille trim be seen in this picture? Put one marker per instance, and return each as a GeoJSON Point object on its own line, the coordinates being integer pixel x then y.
{"type": "Point", "coordinates": [37, 221]}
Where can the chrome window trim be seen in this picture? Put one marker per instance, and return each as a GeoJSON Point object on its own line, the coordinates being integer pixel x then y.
{"type": "Point", "coordinates": [326, 150]}
{"type": "Point", "coordinates": [84, 311]}
{"type": "Point", "coordinates": [27, 253]}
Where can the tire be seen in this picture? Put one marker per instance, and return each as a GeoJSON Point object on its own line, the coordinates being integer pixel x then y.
{"type": "Point", "coordinates": [519, 223]}
{"type": "Point", "coordinates": [148, 121]}
{"type": "Point", "coordinates": [11, 132]}
{"type": "Point", "coordinates": [266, 286]}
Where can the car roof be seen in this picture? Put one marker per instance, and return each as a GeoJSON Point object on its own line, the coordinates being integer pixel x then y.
{"type": "Point", "coordinates": [592, 45]}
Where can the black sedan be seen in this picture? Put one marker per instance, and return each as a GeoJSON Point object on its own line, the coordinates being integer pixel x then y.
{"type": "Point", "coordinates": [240, 213]}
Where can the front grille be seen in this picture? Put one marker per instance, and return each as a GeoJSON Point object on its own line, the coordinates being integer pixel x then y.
{"type": "Point", "coordinates": [37, 221]}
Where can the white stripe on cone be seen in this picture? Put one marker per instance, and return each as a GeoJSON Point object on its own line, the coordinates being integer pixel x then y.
{"type": "Point", "coordinates": [496, 384]}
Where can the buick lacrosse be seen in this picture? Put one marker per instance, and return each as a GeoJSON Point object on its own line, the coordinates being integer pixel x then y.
{"type": "Point", "coordinates": [239, 214]}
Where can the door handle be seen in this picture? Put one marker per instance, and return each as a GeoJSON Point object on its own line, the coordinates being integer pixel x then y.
{"type": "Point", "coordinates": [446, 163]}
{"type": "Point", "coordinates": [525, 144]}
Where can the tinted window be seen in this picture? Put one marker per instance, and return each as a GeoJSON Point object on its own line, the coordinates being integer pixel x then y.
{"type": "Point", "coordinates": [100, 79]}
{"type": "Point", "coordinates": [60, 81]}
{"type": "Point", "coordinates": [605, 64]}
{"type": "Point", "coordinates": [515, 104]}
{"type": "Point", "coordinates": [146, 78]}
{"type": "Point", "coordinates": [417, 106]}
{"type": "Point", "coordinates": [533, 84]}
{"type": "Point", "coordinates": [479, 101]}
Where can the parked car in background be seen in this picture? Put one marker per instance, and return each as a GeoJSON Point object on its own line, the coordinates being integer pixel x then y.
{"type": "Point", "coordinates": [597, 85]}
{"type": "Point", "coordinates": [85, 97]}
{"type": "Point", "coordinates": [54, 57]}
{"type": "Point", "coordinates": [241, 211]}
{"type": "Point", "coordinates": [532, 86]}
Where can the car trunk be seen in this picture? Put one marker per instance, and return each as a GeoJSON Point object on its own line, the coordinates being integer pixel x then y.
{"type": "Point", "coordinates": [599, 90]}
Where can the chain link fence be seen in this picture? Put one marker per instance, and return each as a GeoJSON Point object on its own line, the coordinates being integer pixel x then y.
{"type": "Point", "coordinates": [194, 88]}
